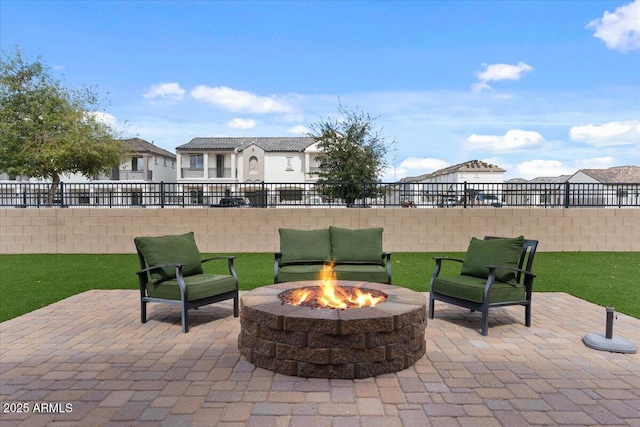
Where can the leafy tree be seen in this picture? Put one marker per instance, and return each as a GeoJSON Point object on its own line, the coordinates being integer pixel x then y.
{"type": "Point", "coordinates": [47, 129]}
{"type": "Point", "coordinates": [353, 155]}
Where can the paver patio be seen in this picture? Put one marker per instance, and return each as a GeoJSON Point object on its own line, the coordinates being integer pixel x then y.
{"type": "Point", "coordinates": [92, 352]}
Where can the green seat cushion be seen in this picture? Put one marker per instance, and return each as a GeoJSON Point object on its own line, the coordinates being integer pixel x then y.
{"type": "Point", "coordinates": [299, 272]}
{"type": "Point", "coordinates": [198, 286]}
{"type": "Point", "coordinates": [304, 246]}
{"type": "Point", "coordinates": [471, 288]}
{"type": "Point", "coordinates": [363, 246]}
{"type": "Point", "coordinates": [361, 272]}
{"type": "Point", "coordinates": [170, 249]}
{"type": "Point", "coordinates": [481, 253]}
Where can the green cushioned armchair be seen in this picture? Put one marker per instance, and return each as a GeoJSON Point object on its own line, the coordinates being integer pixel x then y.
{"type": "Point", "coordinates": [171, 273]}
{"type": "Point", "coordinates": [495, 272]}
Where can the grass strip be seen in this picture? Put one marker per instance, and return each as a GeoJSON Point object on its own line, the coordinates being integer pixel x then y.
{"type": "Point", "coordinates": [29, 282]}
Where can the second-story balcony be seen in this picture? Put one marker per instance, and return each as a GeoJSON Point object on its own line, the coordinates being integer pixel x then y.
{"type": "Point", "coordinates": [213, 173]}
{"type": "Point", "coordinates": [125, 175]}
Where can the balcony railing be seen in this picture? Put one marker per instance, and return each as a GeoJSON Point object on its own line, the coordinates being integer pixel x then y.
{"type": "Point", "coordinates": [125, 175]}
{"type": "Point", "coordinates": [297, 195]}
{"type": "Point", "coordinates": [187, 173]}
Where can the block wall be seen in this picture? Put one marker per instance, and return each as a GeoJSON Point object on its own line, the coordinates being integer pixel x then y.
{"type": "Point", "coordinates": [77, 230]}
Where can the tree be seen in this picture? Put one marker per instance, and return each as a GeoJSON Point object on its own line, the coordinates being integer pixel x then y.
{"type": "Point", "coordinates": [353, 155]}
{"type": "Point", "coordinates": [47, 129]}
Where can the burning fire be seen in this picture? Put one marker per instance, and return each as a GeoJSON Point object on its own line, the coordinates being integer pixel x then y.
{"type": "Point", "coordinates": [328, 295]}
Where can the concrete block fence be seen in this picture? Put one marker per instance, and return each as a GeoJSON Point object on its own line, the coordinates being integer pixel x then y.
{"type": "Point", "coordinates": [96, 230]}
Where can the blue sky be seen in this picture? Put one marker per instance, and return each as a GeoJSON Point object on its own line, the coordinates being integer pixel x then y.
{"type": "Point", "coordinates": [538, 88]}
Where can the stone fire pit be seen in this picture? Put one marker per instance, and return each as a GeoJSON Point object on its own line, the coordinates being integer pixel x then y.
{"type": "Point", "coordinates": [332, 343]}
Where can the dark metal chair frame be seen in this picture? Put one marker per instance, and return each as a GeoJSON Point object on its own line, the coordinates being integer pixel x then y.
{"type": "Point", "coordinates": [143, 279]}
{"type": "Point", "coordinates": [523, 275]}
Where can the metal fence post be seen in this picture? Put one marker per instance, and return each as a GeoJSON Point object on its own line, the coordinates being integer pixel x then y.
{"type": "Point", "coordinates": [364, 194]}
{"type": "Point", "coordinates": [464, 194]}
{"type": "Point", "coordinates": [162, 194]}
{"type": "Point", "coordinates": [566, 194]}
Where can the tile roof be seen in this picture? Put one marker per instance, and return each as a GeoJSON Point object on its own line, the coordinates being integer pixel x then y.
{"type": "Point", "coordinates": [561, 179]}
{"type": "Point", "coordinates": [270, 144]}
{"type": "Point", "coordinates": [137, 145]}
{"type": "Point", "coordinates": [470, 166]}
{"type": "Point", "coordinates": [614, 175]}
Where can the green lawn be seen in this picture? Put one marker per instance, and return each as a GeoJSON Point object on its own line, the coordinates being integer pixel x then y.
{"type": "Point", "coordinates": [29, 282]}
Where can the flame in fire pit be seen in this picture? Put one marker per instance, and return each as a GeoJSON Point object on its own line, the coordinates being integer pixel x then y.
{"type": "Point", "coordinates": [329, 295]}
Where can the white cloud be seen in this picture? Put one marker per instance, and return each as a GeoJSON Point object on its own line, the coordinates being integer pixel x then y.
{"type": "Point", "coordinates": [299, 130]}
{"type": "Point", "coordinates": [242, 123]}
{"type": "Point", "coordinates": [539, 168]}
{"type": "Point", "coordinates": [239, 100]}
{"type": "Point", "coordinates": [513, 140]}
{"type": "Point", "coordinates": [422, 165]}
{"type": "Point", "coordinates": [607, 134]}
{"type": "Point", "coordinates": [595, 163]}
{"type": "Point", "coordinates": [552, 168]}
{"type": "Point", "coordinates": [497, 72]}
{"type": "Point", "coordinates": [413, 166]}
{"type": "Point", "coordinates": [102, 117]}
{"type": "Point", "coordinates": [165, 90]}
{"type": "Point", "coordinates": [620, 30]}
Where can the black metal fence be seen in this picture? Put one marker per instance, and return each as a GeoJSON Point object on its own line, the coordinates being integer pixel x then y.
{"type": "Point", "coordinates": [310, 195]}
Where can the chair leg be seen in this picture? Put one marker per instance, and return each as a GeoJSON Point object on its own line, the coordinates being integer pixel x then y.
{"type": "Point", "coordinates": [431, 307]}
{"type": "Point", "coordinates": [236, 306]}
{"type": "Point", "coordinates": [185, 318]}
{"type": "Point", "coordinates": [485, 320]}
{"type": "Point", "coordinates": [527, 315]}
{"type": "Point", "coordinates": [143, 311]}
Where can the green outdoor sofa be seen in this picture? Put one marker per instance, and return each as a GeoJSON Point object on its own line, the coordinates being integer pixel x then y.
{"type": "Point", "coordinates": [356, 255]}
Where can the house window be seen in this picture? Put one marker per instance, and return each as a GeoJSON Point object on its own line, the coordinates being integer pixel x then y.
{"type": "Point", "coordinates": [136, 164]}
{"type": "Point", "coordinates": [155, 160]}
{"type": "Point", "coordinates": [289, 163]}
{"type": "Point", "coordinates": [196, 162]}
{"type": "Point", "coordinates": [219, 166]}
{"type": "Point", "coordinates": [165, 163]}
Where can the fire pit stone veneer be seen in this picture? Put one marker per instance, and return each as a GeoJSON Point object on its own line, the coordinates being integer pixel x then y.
{"type": "Point", "coordinates": [332, 343]}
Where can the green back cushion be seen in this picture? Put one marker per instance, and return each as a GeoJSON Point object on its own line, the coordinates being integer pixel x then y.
{"type": "Point", "coordinates": [362, 246]}
{"type": "Point", "coordinates": [493, 252]}
{"type": "Point", "coordinates": [300, 246]}
{"type": "Point", "coordinates": [170, 249]}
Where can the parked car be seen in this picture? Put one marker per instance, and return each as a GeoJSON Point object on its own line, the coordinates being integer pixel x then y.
{"type": "Point", "coordinates": [448, 202]}
{"type": "Point", "coordinates": [488, 199]}
{"type": "Point", "coordinates": [233, 202]}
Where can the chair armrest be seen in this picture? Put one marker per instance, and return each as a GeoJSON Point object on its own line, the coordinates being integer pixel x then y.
{"type": "Point", "coordinates": [528, 281]}
{"type": "Point", "coordinates": [276, 265]}
{"type": "Point", "coordinates": [446, 258]}
{"type": "Point", "coordinates": [229, 259]}
{"type": "Point", "coordinates": [509, 267]}
{"type": "Point", "coordinates": [386, 259]}
{"type": "Point", "coordinates": [155, 267]}
{"type": "Point", "coordinates": [438, 261]}
{"type": "Point", "coordinates": [143, 277]}
{"type": "Point", "coordinates": [218, 258]}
